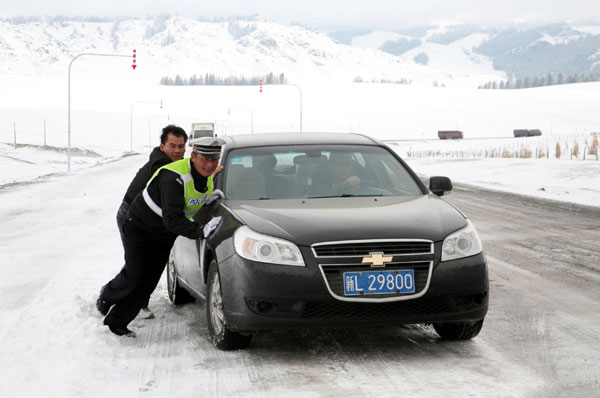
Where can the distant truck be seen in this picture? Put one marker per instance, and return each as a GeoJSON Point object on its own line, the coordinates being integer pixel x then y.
{"type": "Point", "coordinates": [450, 135]}
{"type": "Point", "coordinates": [527, 133]}
{"type": "Point", "coordinates": [202, 130]}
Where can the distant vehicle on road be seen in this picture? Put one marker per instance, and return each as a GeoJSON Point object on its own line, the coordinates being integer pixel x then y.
{"type": "Point", "coordinates": [527, 133]}
{"type": "Point", "coordinates": [201, 130]}
{"type": "Point", "coordinates": [450, 135]}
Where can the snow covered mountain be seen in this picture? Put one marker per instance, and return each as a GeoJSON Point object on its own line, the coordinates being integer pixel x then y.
{"type": "Point", "coordinates": [520, 50]}
{"type": "Point", "coordinates": [446, 54]}
{"type": "Point", "coordinates": [170, 46]}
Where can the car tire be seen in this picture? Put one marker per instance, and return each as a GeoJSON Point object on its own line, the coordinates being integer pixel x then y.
{"type": "Point", "coordinates": [221, 336]}
{"type": "Point", "coordinates": [458, 330]}
{"type": "Point", "coordinates": [177, 294]}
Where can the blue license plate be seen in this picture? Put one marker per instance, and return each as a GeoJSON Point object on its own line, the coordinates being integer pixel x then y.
{"type": "Point", "coordinates": [379, 282]}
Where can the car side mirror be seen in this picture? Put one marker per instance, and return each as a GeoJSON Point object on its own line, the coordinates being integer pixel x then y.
{"type": "Point", "coordinates": [438, 185]}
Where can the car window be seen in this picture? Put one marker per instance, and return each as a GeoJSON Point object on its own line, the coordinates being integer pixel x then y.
{"type": "Point", "coordinates": [280, 172]}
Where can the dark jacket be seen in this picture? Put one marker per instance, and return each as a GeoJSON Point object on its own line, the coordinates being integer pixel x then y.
{"type": "Point", "coordinates": [166, 190]}
{"type": "Point", "coordinates": [156, 161]}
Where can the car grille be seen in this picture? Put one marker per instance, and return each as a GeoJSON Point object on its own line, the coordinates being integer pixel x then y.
{"type": "Point", "coordinates": [389, 310]}
{"type": "Point", "coordinates": [364, 248]}
{"type": "Point", "coordinates": [334, 259]}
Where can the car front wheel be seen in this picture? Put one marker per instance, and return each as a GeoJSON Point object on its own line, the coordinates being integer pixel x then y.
{"type": "Point", "coordinates": [458, 330]}
{"type": "Point", "coordinates": [221, 336]}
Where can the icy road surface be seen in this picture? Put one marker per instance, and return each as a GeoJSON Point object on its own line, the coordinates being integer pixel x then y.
{"type": "Point", "coordinates": [59, 243]}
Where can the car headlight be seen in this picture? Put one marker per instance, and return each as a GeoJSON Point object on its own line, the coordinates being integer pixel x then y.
{"type": "Point", "coordinates": [462, 243]}
{"type": "Point", "coordinates": [266, 249]}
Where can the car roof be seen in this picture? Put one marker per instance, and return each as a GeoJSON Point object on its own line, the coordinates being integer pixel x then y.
{"type": "Point", "coordinates": [268, 139]}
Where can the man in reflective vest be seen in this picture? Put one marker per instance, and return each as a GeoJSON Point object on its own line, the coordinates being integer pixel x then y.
{"type": "Point", "coordinates": [171, 149]}
{"type": "Point", "coordinates": [161, 212]}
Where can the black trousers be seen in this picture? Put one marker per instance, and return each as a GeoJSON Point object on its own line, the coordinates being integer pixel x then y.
{"type": "Point", "coordinates": [146, 254]}
{"type": "Point", "coordinates": [121, 220]}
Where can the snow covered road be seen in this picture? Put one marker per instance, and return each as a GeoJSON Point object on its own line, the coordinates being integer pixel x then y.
{"type": "Point", "coordinates": [59, 243]}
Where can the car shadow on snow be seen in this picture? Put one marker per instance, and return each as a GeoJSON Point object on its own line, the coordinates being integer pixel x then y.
{"type": "Point", "coordinates": [406, 341]}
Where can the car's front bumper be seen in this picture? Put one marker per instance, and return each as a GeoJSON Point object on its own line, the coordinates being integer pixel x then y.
{"type": "Point", "coordinates": [259, 296]}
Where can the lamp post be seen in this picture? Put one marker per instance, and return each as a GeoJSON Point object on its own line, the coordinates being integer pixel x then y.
{"type": "Point", "coordinates": [69, 105]}
{"type": "Point", "coordinates": [149, 122]}
{"type": "Point", "coordinates": [131, 117]}
{"type": "Point", "coordinates": [300, 91]}
{"type": "Point", "coordinates": [251, 117]}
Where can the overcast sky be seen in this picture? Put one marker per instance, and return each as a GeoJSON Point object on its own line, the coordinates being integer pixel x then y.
{"type": "Point", "coordinates": [385, 14]}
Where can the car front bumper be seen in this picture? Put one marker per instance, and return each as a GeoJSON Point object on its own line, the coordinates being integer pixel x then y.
{"type": "Point", "coordinates": [259, 296]}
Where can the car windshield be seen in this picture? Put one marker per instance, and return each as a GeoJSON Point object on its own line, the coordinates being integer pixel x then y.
{"type": "Point", "coordinates": [314, 172]}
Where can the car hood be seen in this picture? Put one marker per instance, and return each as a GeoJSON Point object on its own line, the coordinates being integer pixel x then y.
{"type": "Point", "coordinates": [308, 221]}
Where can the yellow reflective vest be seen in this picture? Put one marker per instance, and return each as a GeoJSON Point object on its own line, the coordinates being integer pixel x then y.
{"type": "Point", "coordinates": [194, 200]}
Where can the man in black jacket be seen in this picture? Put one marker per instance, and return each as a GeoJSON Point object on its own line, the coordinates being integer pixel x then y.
{"type": "Point", "coordinates": [171, 149]}
{"type": "Point", "coordinates": [156, 217]}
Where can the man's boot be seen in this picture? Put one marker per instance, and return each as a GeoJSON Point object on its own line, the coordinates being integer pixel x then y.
{"type": "Point", "coordinates": [145, 313]}
{"type": "Point", "coordinates": [102, 306]}
{"type": "Point", "coordinates": [121, 331]}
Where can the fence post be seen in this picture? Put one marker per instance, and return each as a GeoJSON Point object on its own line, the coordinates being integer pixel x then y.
{"type": "Point", "coordinates": [15, 133]}
{"type": "Point", "coordinates": [44, 132]}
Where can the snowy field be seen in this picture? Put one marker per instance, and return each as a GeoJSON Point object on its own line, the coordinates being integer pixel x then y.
{"type": "Point", "coordinates": [574, 182]}
{"type": "Point", "coordinates": [574, 179]}
{"type": "Point", "coordinates": [109, 118]}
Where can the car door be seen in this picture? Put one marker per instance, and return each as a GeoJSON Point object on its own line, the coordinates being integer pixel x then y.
{"type": "Point", "coordinates": [189, 266]}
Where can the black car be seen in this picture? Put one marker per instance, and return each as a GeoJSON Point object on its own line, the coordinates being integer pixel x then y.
{"type": "Point", "coordinates": [329, 230]}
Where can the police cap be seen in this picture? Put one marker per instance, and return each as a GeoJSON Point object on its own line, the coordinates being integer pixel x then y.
{"type": "Point", "coordinates": [209, 147]}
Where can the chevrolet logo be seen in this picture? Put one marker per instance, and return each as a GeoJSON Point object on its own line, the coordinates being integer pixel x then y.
{"type": "Point", "coordinates": [377, 259]}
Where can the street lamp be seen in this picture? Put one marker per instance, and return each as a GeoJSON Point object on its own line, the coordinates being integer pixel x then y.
{"type": "Point", "coordinates": [131, 116]}
{"type": "Point", "coordinates": [149, 122]}
{"type": "Point", "coordinates": [300, 91]}
{"type": "Point", "coordinates": [69, 106]}
{"type": "Point", "coordinates": [244, 110]}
